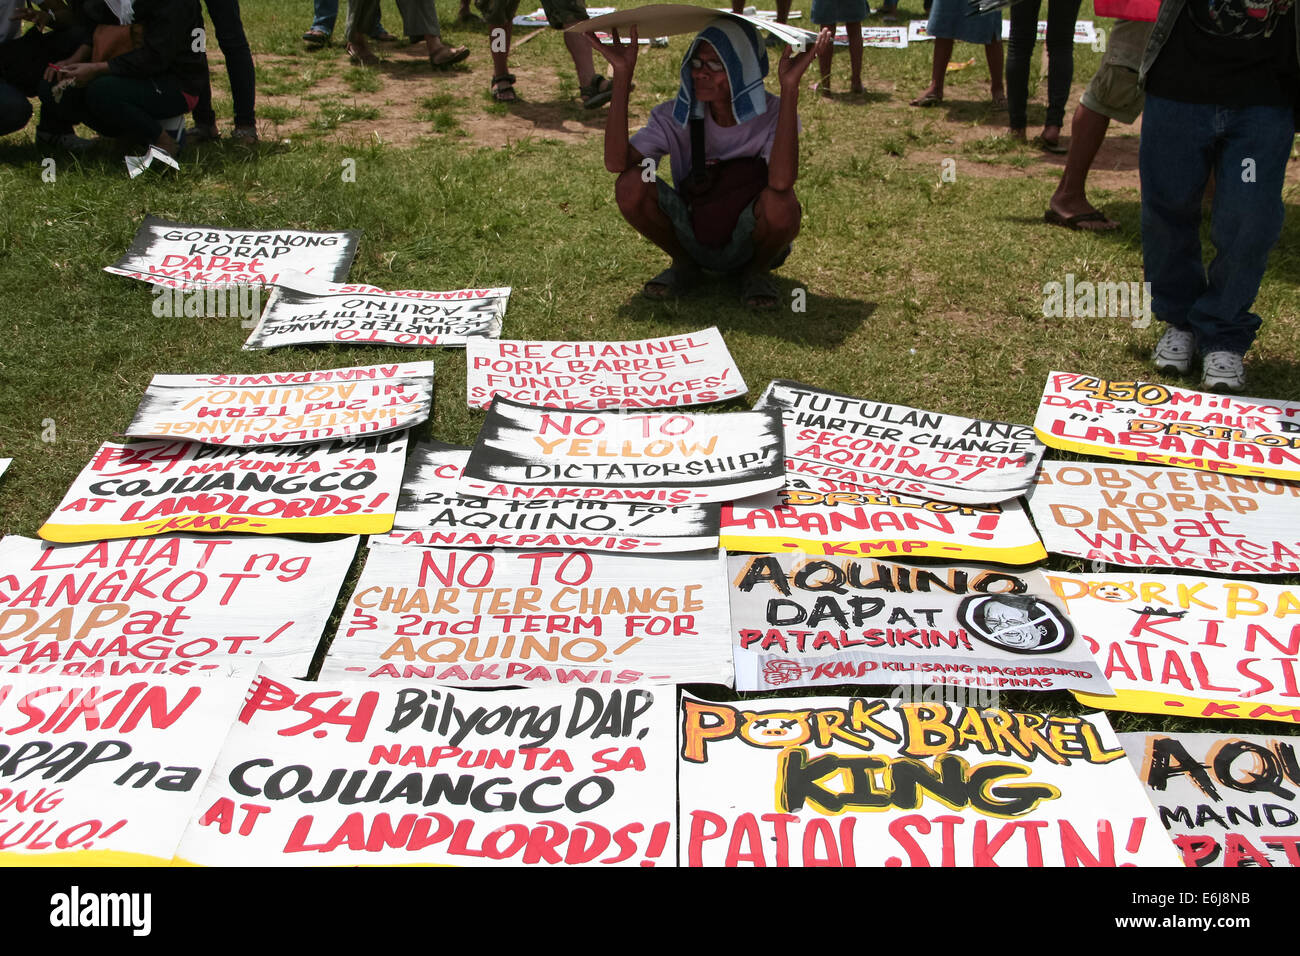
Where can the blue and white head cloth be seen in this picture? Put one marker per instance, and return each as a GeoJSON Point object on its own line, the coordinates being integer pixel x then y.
{"type": "Point", "coordinates": [743, 54]}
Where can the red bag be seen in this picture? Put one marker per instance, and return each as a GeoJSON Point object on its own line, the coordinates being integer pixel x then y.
{"type": "Point", "coordinates": [1143, 10]}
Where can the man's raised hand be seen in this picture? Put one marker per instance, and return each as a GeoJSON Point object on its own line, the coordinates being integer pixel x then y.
{"type": "Point", "coordinates": [621, 56]}
{"type": "Point", "coordinates": [791, 68]}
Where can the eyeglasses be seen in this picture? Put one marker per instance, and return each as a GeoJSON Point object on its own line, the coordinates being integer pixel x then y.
{"type": "Point", "coordinates": [713, 66]}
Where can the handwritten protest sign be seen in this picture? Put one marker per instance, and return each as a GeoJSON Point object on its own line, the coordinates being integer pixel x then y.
{"type": "Point", "coordinates": [179, 255]}
{"type": "Point", "coordinates": [365, 315]}
{"type": "Point", "coordinates": [169, 605]}
{"type": "Point", "coordinates": [893, 448]}
{"type": "Point", "coordinates": [346, 486]}
{"type": "Point", "coordinates": [673, 458]}
{"type": "Point", "coordinates": [285, 408]}
{"type": "Point", "coordinates": [855, 522]}
{"type": "Point", "coordinates": [432, 512]}
{"type": "Point", "coordinates": [823, 781]}
{"type": "Point", "coordinates": [347, 774]}
{"type": "Point", "coordinates": [808, 622]}
{"type": "Point", "coordinates": [1198, 647]}
{"type": "Point", "coordinates": [491, 618]}
{"type": "Point", "coordinates": [1149, 422]}
{"type": "Point", "coordinates": [672, 19]}
{"type": "Point", "coordinates": [690, 369]}
{"type": "Point", "coordinates": [106, 771]}
{"type": "Point", "coordinates": [1168, 517]}
{"type": "Point", "coordinates": [887, 38]}
{"type": "Point", "coordinates": [1226, 800]}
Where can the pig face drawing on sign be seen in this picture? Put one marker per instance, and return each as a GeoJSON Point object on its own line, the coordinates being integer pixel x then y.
{"type": "Point", "coordinates": [1015, 622]}
{"type": "Point", "coordinates": [775, 728]}
{"type": "Point", "coordinates": [1111, 591]}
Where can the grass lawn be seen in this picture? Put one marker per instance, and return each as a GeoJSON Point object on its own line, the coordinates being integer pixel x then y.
{"type": "Point", "coordinates": [919, 291]}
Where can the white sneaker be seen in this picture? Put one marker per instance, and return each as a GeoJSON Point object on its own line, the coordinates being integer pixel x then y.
{"type": "Point", "coordinates": [1224, 370]}
{"type": "Point", "coordinates": [69, 141]}
{"type": "Point", "coordinates": [1174, 351]}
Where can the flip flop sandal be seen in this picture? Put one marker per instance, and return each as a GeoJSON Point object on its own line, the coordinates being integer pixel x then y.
{"type": "Point", "coordinates": [758, 292]}
{"type": "Point", "coordinates": [672, 283]}
{"type": "Point", "coordinates": [315, 37]}
{"type": "Point", "coordinates": [1075, 223]}
{"type": "Point", "coordinates": [597, 93]}
{"type": "Point", "coordinates": [503, 88]}
{"type": "Point", "coordinates": [927, 99]}
{"type": "Point", "coordinates": [457, 54]}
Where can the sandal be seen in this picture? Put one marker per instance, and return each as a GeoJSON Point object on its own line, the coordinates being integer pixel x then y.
{"type": "Point", "coordinates": [451, 56]}
{"type": "Point", "coordinates": [503, 88]}
{"type": "Point", "coordinates": [315, 37]}
{"type": "Point", "coordinates": [758, 292]}
{"type": "Point", "coordinates": [672, 283]}
{"type": "Point", "coordinates": [927, 99]}
{"type": "Point", "coordinates": [362, 57]}
{"type": "Point", "coordinates": [596, 93]}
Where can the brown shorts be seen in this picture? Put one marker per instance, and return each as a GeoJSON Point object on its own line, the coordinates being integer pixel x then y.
{"type": "Point", "coordinates": [1114, 90]}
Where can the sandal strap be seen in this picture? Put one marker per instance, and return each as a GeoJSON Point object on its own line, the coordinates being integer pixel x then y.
{"type": "Point", "coordinates": [503, 78]}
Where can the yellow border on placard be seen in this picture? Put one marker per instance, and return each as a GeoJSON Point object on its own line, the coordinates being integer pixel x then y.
{"type": "Point", "coordinates": [1155, 702]}
{"type": "Point", "coordinates": [1110, 451]}
{"type": "Point", "coordinates": [324, 524]}
{"type": "Point", "coordinates": [1024, 554]}
{"type": "Point", "coordinates": [82, 858]}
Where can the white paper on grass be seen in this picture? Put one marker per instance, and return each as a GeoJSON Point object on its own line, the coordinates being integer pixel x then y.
{"type": "Point", "coordinates": [1137, 515]}
{"type": "Point", "coordinates": [885, 37]}
{"type": "Point", "coordinates": [174, 604]}
{"type": "Point", "coordinates": [694, 368]}
{"type": "Point", "coordinates": [825, 781]}
{"type": "Point", "coordinates": [133, 754]}
{"type": "Point", "coordinates": [883, 447]}
{"type": "Point", "coordinates": [346, 486]}
{"type": "Point", "coordinates": [502, 618]}
{"type": "Point", "coordinates": [671, 19]}
{"type": "Point", "coordinates": [5, 463]}
{"type": "Point", "coordinates": [1084, 31]}
{"type": "Point", "coordinates": [135, 165]}
{"type": "Point", "coordinates": [538, 17]}
{"type": "Point", "coordinates": [917, 31]}
{"type": "Point", "coordinates": [1226, 799]}
{"type": "Point", "coordinates": [285, 408]}
{"type": "Point", "coordinates": [432, 512]}
{"type": "Point", "coordinates": [387, 774]}
{"type": "Point", "coordinates": [365, 315]}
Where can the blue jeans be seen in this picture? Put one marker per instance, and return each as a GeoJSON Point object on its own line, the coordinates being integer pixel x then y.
{"type": "Point", "coordinates": [1247, 149]}
{"type": "Point", "coordinates": [326, 12]}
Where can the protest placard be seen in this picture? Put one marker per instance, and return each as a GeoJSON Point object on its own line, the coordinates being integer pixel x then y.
{"type": "Point", "coordinates": [285, 408]}
{"type": "Point", "coordinates": [671, 458]}
{"type": "Point", "coordinates": [1168, 517]}
{"type": "Point", "coordinates": [1149, 422]}
{"type": "Point", "coordinates": [106, 771]}
{"type": "Point", "coordinates": [885, 38]}
{"type": "Point", "coordinates": [538, 17]}
{"type": "Point", "coordinates": [347, 774]}
{"type": "Point", "coordinates": [1225, 800]}
{"type": "Point", "coordinates": [365, 315]}
{"type": "Point", "coordinates": [917, 31]}
{"type": "Point", "coordinates": [691, 369]}
{"type": "Point", "coordinates": [1084, 31]}
{"type": "Point", "coordinates": [672, 19]}
{"type": "Point", "coordinates": [5, 463]}
{"type": "Point", "coordinates": [432, 512]}
{"type": "Point", "coordinates": [893, 448]}
{"type": "Point", "coordinates": [1197, 647]}
{"type": "Point", "coordinates": [824, 781]}
{"type": "Point", "coordinates": [494, 618]}
{"type": "Point", "coordinates": [854, 522]}
{"type": "Point", "coordinates": [180, 255]}
{"type": "Point", "coordinates": [807, 622]}
{"type": "Point", "coordinates": [168, 605]}
{"type": "Point", "coordinates": [345, 486]}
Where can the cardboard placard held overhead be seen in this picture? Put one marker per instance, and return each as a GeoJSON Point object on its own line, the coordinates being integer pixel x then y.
{"type": "Point", "coordinates": [285, 408]}
{"type": "Point", "coordinates": [347, 486]}
{"type": "Point", "coordinates": [501, 618]}
{"type": "Point", "coordinates": [1138, 515]}
{"type": "Point", "coordinates": [168, 605]}
{"type": "Point", "coordinates": [1196, 647]}
{"type": "Point", "coordinates": [365, 315]}
{"type": "Point", "coordinates": [351, 774]}
{"type": "Point", "coordinates": [690, 369]}
{"type": "Point", "coordinates": [892, 448]}
{"type": "Point", "coordinates": [808, 622]}
{"type": "Point", "coordinates": [525, 452]}
{"type": "Point", "coordinates": [431, 512]}
{"type": "Point", "coordinates": [832, 781]}
{"type": "Point", "coordinates": [181, 255]}
{"type": "Point", "coordinates": [107, 771]}
{"type": "Point", "coordinates": [672, 19]}
{"type": "Point", "coordinates": [1227, 800]}
{"type": "Point", "coordinates": [1150, 422]}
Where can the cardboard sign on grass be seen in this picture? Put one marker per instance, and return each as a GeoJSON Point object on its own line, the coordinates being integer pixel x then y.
{"type": "Point", "coordinates": [673, 19]}
{"type": "Point", "coordinates": [1138, 515]}
{"type": "Point", "coordinates": [500, 618]}
{"type": "Point", "coordinates": [348, 774]}
{"type": "Point", "coordinates": [887, 37]}
{"type": "Point", "coordinates": [690, 369]}
{"type": "Point", "coordinates": [1227, 800]}
{"type": "Point", "coordinates": [666, 457]}
{"type": "Point", "coordinates": [285, 408]}
{"type": "Point", "coordinates": [1149, 422]}
{"type": "Point", "coordinates": [365, 315]}
{"type": "Point", "coordinates": [833, 781]}
{"type": "Point", "coordinates": [893, 448]}
{"type": "Point", "coordinates": [166, 605]}
{"type": "Point", "coordinates": [347, 486]}
{"type": "Point", "coordinates": [815, 622]}
{"type": "Point", "coordinates": [1084, 31]}
{"type": "Point", "coordinates": [106, 771]}
{"type": "Point", "coordinates": [180, 255]}
{"type": "Point", "coordinates": [1196, 647]}
{"type": "Point", "coordinates": [859, 523]}
{"type": "Point", "coordinates": [432, 512]}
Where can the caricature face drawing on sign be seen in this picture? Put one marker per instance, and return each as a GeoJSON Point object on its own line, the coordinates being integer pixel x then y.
{"type": "Point", "coordinates": [775, 728]}
{"type": "Point", "coordinates": [1016, 622]}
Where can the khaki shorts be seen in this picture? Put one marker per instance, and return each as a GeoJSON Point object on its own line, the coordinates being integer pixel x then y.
{"type": "Point", "coordinates": [559, 13]}
{"type": "Point", "coordinates": [1114, 90]}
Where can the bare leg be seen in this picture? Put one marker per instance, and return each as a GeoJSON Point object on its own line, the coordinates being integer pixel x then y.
{"type": "Point", "coordinates": [782, 11]}
{"type": "Point", "coordinates": [777, 216]}
{"type": "Point", "coordinates": [580, 51]}
{"type": "Point", "coordinates": [823, 85]}
{"type": "Point", "coordinates": [499, 44]}
{"type": "Point", "coordinates": [855, 56]}
{"type": "Point", "coordinates": [993, 54]}
{"type": "Point", "coordinates": [1087, 132]}
{"type": "Point", "coordinates": [639, 203]}
{"type": "Point", "coordinates": [938, 71]}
